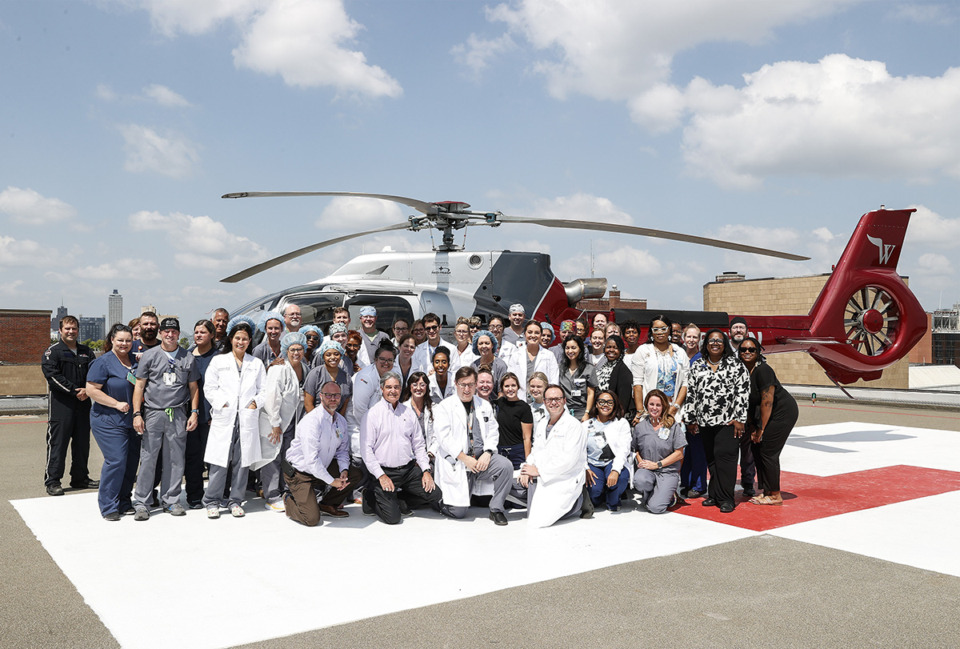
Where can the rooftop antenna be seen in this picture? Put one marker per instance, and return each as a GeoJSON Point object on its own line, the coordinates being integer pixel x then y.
{"type": "Point", "coordinates": [591, 259]}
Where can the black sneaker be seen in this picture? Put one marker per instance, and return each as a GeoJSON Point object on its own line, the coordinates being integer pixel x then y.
{"type": "Point", "coordinates": [86, 484]}
{"type": "Point", "coordinates": [365, 505]}
{"type": "Point", "coordinates": [112, 516]}
{"type": "Point", "coordinates": [404, 507]}
{"type": "Point", "coordinates": [54, 490]}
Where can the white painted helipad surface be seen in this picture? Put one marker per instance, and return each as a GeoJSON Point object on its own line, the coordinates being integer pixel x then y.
{"type": "Point", "coordinates": [357, 568]}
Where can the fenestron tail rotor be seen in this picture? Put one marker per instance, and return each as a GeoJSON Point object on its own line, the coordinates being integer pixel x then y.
{"type": "Point", "coordinates": [448, 216]}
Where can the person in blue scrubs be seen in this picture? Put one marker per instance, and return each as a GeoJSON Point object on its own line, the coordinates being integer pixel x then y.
{"type": "Point", "coordinates": [110, 382]}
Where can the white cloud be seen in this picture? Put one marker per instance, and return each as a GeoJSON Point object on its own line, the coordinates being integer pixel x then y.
{"type": "Point", "coordinates": [935, 264]}
{"type": "Point", "coordinates": [611, 261]}
{"type": "Point", "coordinates": [24, 252]}
{"type": "Point", "coordinates": [924, 13]}
{"type": "Point", "coordinates": [620, 50]}
{"type": "Point", "coordinates": [137, 269]}
{"type": "Point", "coordinates": [165, 96]}
{"type": "Point", "coordinates": [199, 241]}
{"type": "Point", "coordinates": [929, 228]}
{"type": "Point", "coordinates": [29, 206]}
{"type": "Point", "coordinates": [11, 288]}
{"type": "Point", "coordinates": [105, 92]}
{"type": "Point", "coordinates": [583, 207]}
{"type": "Point", "coordinates": [306, 42]}
{"type": "Point", "coordinates": [352, 213]}
{"type": "Point", "coordinates": [477, 53]}
{"type": "Point", "coordinates": [839, 117]}
{"type": "Point", "coordinates": [170, 155]}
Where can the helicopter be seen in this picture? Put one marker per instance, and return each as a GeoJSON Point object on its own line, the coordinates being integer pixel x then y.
{"type": "Point", "coordinates": [863, 321]}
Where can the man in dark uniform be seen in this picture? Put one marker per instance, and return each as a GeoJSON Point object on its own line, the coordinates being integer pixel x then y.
{"type": "Point", "coordinates": [65, 366]}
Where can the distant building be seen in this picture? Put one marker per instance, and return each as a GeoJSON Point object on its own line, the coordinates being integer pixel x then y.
{"type": "Point", "coordinates": [114, 308]}
{"type": "Point", "coordinates": [92, 328]}
{"type": "Point", "coordinates": [148, 307]}
{"type": "Point", "coordinates": [55, 321]}
{"type": "Point", "coordinates": [946, 336]}
{"type": "Point", "coordinates": [611, 303]}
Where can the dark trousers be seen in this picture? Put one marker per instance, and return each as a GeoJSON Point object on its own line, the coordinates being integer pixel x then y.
{"type": "Point", "coordinates": [748, 468]}
{"type": "Point", "coordinates": [302, 505]}
{"type": "Point", "coordinates": [193, 461]}
{"type": "Point", "coordinates": [693, 471]}
{"type": "Point", "coordinates": [600, 492]}
{"type": "Point", "coordinates": [721, 449]}
{"type": "Point", "coordinates": [516, 454]}
{"type": "Point", "coordinates": [407, 484]}
{"type": "Point", "coordinates": [767, 452]}
{"type": "Point", "coordinates": [113, 444]}
{"type": "Point", "coordinates": [67, 425]}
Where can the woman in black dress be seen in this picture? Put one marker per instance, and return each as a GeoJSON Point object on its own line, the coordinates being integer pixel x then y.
{"type": "Point", "coordinates": [771, 416]}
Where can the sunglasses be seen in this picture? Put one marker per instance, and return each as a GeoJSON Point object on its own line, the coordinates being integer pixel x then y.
{"type": "Point", "coordinates": [748, 350]}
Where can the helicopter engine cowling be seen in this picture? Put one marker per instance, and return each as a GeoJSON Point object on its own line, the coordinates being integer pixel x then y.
{"type": "Point", "coordinates": [585, 288]}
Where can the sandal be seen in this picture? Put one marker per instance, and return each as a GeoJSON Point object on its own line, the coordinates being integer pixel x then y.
{"type": "Point", "coordinates": [766, 500]}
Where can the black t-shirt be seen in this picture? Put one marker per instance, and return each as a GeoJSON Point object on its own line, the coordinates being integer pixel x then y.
{"type": "Point", "coordinates": [761, 379]}
{"type": "Point", "coordinates": [510, 415]}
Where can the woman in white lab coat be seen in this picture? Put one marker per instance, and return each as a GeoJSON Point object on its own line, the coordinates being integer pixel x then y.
{"type": "Point", "coordinates": [532, 355]}
{"type": "Point", "coordinates": [282, 400]}
{"type": "Point", "coordinates": [234, 385]}
{"type": "Point", "coordinates": [555, 471]}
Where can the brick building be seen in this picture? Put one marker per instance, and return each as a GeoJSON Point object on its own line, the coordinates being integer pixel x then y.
{"type": "Point", "coordinates": [24, 336]}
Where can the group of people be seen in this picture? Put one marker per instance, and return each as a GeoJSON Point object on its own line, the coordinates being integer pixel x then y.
{"type": "Point", "coordinates": [509, 413]}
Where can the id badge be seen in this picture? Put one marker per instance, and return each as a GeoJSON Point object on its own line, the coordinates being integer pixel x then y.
{"type": "Point", "coordinates": [575, 393]}
{"type": "Point", "coordinates": [131, 377]}
{"type": "Point", "coordinates": [169, 379]}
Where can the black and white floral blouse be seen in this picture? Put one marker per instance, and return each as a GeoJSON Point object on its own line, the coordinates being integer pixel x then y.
{"type": "Point", "coordinates": [715, 398]}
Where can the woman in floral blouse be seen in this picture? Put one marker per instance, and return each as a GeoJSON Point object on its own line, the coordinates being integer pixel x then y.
{"type": "Point", "coordinates": [718, 390]}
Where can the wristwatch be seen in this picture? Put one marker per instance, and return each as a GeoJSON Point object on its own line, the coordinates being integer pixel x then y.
{"type": "Point", "coordinates": [659, 464]}
{"type": "Point", "coordinates": [138, 414]}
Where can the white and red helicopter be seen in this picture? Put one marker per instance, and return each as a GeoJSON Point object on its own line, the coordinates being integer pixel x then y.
{"type": "Point", "coordinates": [864, 320]}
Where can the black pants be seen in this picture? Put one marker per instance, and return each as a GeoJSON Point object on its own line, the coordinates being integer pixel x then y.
{"type": "Point", "coordinates": [767, 452]}
{"type": "Point", "coordinates": [67, 424]}
{"type": "Point", "coordinates": [748, 467]}
{"type": "Point", "coordinates": [722, 450]}
{"type": "Point", "coordinates": [193, 461]}
{"type": "Point", "coordinates": [407, 484]}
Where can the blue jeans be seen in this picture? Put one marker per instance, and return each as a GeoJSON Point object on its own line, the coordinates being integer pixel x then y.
{"type": "Point", "coordinates": [693, 471]}
{"type": "Point", "coordinates": [599, 488]}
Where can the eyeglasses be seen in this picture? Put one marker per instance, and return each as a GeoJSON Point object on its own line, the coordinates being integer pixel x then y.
{"type": "Point", "coordinates": [314, 337]}
{"type": "Point", "coordinates": [432, 328]}
{"type": "Point", "coordinates": [659, 330]}
{"type": "Point", "coordinates": [554, 400]}
{"type": "Point", "coordinates": [714, 341]}
{"type": "Point", "coordinates": [331, 395]}
{"type": "Point", "coordinates": [386, 360]}
{"type": "Point", "coordinates": [605, 402]}
{"type": "Point", "coordinates": [467, 386]}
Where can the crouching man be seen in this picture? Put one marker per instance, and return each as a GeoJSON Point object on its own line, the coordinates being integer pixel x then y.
{"type": "Point", "coordinates": [320, 450]}
{"type": "Point", "coordinates": [466, 434]}
{"type": "Point", "coordinates": [395, 454]}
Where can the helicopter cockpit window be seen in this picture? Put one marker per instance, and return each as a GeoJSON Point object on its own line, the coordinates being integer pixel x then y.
{"type": "Point", "coordinates": [316, 309]}
{"type": "Point", "coordinates": [389, 308]}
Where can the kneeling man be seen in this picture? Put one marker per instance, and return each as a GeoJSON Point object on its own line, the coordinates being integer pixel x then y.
{"type": "Point", "coordinates": [556, 468]}
{"type": "Point", "coordinates": [394, 452]}
{"type": "Point", "coordinates": [466, 434]}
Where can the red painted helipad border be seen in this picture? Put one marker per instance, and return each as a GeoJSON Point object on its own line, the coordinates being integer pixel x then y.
{"type": "Point", "coordinates": [807, 497]}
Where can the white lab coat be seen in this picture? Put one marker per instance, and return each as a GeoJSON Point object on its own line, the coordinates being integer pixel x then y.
{"type": "Point", "coordinates": [282, 397]}
{"type": "Point", "coordinates": [545, 362]}
{"type": "Point", "coordinates": [435, 393]}
{"type": "Point", "coordinates": [366, 393]}
{"type": "Point", "coordinates": [645, 368]}
{"type": "Point", "coordinates": [229, 392]}
{"type": "Point", "coordinates": [451, 439]}
{"type": "Point", "coordinates": [423, 357]}
{"type": "Point", "coordinates": [561, 460]}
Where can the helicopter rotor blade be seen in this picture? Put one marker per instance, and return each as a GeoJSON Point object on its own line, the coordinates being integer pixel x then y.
{"type": "Point", "coordinates": [276, 261]}
{"type": "Point", "coordinates": [648, 232]}
{"type": "Point", "coordinates": [421, 206]}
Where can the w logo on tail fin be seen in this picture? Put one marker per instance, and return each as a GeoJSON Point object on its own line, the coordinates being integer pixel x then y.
{"type": "Point", "coordinates": [885, 250]}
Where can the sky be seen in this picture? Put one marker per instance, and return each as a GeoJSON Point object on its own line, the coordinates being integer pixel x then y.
{"type": "Point", "coordinates": [775, 124]}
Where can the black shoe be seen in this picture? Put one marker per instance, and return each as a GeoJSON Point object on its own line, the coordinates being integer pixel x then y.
{"type": "Point", "coordinates": [709, 502]}
{"type": "Point", "coordinates": [365, 505]}
{"type": "Point", "coordinates": [54, 490]}
{"type": "Point", "coordinates": [498, 517]}
{"type": "Point", "coordinates": [87, 484]}
{"type": "Point", "coordinates": [404, 507]}
{"type": "Point", "coordinates": [112, 516]}
{"type": "Point", "coordinates": [695, 494]}
{"type": "Point", "coordinates": [586, 505]}
{"type": "Point", "coordinates": [726, 508]}
{"type": "Point", "coordinates": [749, 493]}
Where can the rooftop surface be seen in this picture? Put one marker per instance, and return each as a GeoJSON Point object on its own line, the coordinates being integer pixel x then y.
{"type": "Point", "coordinates": [863, 553]}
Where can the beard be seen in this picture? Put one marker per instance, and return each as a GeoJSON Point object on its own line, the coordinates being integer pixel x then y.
{"type": "Point", "coordinates": [149, 336]}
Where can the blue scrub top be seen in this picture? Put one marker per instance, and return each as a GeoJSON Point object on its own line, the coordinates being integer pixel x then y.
{"type": "Point", "coordinates": [109, 372]}
{"type": "Point", "coordinates": [202, 362]}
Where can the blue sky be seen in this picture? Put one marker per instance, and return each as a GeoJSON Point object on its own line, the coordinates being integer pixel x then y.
{"type": "Point", "coordinates": [773, 124]}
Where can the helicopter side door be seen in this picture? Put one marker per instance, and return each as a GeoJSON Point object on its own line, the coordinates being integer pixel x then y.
{"type": "Point", "coordinates": [389, 308]}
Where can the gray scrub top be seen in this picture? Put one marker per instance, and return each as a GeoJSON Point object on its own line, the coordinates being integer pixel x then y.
{"type": "Point", "coordinates": [651, 446]}
{"type": "Point", "coordinates": [575, 387]}
{"type": "Point", "coordinates": [168, 382]}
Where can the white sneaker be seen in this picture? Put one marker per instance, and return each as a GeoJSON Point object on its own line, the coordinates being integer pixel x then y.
{"type": "Point", "coordinates": [277, 506]}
